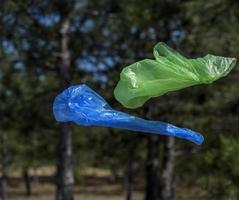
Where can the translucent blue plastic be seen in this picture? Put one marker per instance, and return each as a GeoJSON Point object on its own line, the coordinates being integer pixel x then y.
{"type": "Point", "coordinates": [82, 105]}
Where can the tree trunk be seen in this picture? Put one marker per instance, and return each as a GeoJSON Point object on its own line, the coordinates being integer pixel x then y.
{"type": "Point", "coordinates": [65, 177]}
{"type": "Point", "coordinates": [152, 168]}
{"type": "Point", "coordinates": [167, 186]}
{"type": "Point", "coordinates": [128, 175]}
{"type": "Point", "coordinates": [3, 180]}
{"type": "Point", "coordinates": [65, 173]}
{"type": "Point", "coordinates": [27, 182]}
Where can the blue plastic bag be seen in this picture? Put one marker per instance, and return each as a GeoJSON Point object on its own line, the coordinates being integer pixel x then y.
{"type": "Point", "coordinates": [82, 105]}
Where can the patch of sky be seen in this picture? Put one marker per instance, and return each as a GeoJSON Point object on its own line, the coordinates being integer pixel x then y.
{"type": "Point", "coordinates": [100, 78]}
{"type": "Point", "coordinates": [42, 43]}
{"type": "Point", "coordinates": [177, 35]}
{"type": "Point", "coordinates": [86, 65]}
{"type": "Point", "coordinates": [21, 30]}
{"type": "Point", "coordinates": [18, 65]}
{"type": "Point", "coordinates": [8, 18]}
{"type": "Point", "coordinates": [25, 44]}
{"type": "Point", "coordinates": [91, 64]}
{"type": "Point", "coordinates": [133, 29]}
{"type": "Point", "coordinates": [87, 26]}
{"type": "Point", "coordinates": [8, 46]}
{"type": "Point", "coordinates": [109, 61]}
{"type": "Point", "coordinates": [152, 34]}
{"type": "Point", "coordinates": [117, 59]}
{"type": "Point", "coordinates": [101, 67]}
{"type": "Point", "coordinates": [48, 20]}
{"type": "Point", "coordinates": [75, 23]}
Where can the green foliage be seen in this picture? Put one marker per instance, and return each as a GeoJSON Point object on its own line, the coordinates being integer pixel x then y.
{"type": "Point", "coordinates": [106, 36]}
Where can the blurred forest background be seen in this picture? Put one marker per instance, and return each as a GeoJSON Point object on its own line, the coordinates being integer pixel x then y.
{"type": "Point", "coordinates": [47, 45]}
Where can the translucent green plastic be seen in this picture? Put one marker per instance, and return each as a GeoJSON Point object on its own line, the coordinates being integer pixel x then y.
{"type": "Point", "coordinates": [170, 71]}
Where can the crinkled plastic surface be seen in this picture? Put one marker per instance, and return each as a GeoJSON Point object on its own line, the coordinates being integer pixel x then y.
{"type": "Point", "coordinates": [82, 105]}
{"type": "Point", "coordinates": [170, 71]}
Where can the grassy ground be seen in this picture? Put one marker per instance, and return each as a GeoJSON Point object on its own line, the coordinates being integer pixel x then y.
{"type": "Point", "coordinates": [94, 185]}
{"type": "Point", "coordinates": [45, 191]}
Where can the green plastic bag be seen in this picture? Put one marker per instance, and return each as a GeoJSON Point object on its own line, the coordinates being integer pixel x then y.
{"type": "Point", "coordinates": [170, 71]}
